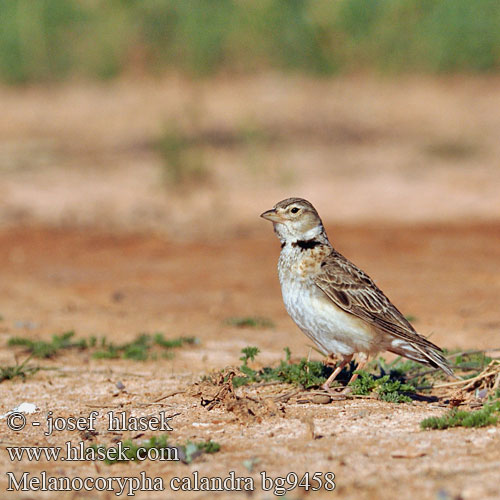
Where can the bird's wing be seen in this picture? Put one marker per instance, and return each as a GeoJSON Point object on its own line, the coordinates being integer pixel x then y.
{"type": "Point", "coordinates": [355, 292]}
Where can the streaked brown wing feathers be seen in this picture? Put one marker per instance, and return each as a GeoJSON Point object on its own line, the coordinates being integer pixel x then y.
{"type": "Point", "coordinates": [354, 291]}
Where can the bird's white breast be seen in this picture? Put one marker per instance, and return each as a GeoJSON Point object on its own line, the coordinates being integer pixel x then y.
{"type": "Point", "coordinates": [331, 328]}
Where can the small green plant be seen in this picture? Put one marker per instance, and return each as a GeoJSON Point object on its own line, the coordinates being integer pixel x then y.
{"type": "Point", "coordinates": [387, 389]}
{"type": "Point", "coordinates": [396, 382]}
{"type": "Point", "coordinates": [305, 373]}
{"type": "Point", "coordinates": [109, 351]}
{"type": "Point", "coordinates": [160, 340]}
{"type": "Point", "coordinates": [249, 353]}
{"type": "Point", "coordinates": [394, 391]}
{"type": "Point", "coordinates": [487, 415]}
{"type": "Point", "coordinates": [364, 384]}
{"type": "Point", "coordinates": [18, 370]}
{"type": "Point", "coordinates": [138, 350]}
{"type": "Point", "coordinates": [143, 347]}
{"type": "Point", "coordinates": [288, 353]}
{"type": "Point", "coordinates": [208, 446]}
{"type": "Point", "coordinates": [250, 322]}
{"type": "Point", "coordinates": [42, 349]}
{"type": "Point", "coordinates": [193, 450]}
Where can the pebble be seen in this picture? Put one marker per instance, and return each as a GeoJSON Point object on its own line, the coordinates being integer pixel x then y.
{"type": "Point", "coordinates": [321, 399]}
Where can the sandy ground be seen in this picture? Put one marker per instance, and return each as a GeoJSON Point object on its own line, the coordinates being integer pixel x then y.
{"type": "Point", "coordinates": [54, 280]}
{"type": "Point", "coordinates": [93, 239]}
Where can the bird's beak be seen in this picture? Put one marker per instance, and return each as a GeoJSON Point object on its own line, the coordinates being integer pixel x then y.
{"type": "Point", "coordinates": [271, 215]}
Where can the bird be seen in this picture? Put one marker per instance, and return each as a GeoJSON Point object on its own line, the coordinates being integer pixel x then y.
{"type": "Point", "coordinates": [336, 304]}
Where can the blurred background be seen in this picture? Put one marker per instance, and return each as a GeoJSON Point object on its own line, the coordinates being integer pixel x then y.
{"type": "Point", "coordinates": [140, 141]}
{"type": "Point", "coordinates": [193, 117]}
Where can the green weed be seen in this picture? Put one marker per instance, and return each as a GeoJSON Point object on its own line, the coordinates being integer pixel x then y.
{"type": "Point", "coordinates": [18, 370]}
{"type": "Point", "coordinates": [42, 349]}
{"type": "Point", "coordinates": [160, 340]}
{"type": "Point", "coordinates": [394, 381]}
{"type": "Point", "coordinates": [191, 450]}
{"type": "Point", "coordinates": [487, 415]}
{"type": "Point", "coordinates": [310, 374]}
{"type": "Point", "coordinates": [387, 389]}
{"type": "Point", "coordinates": [250, 322]}
{"type": "Point", "coordinates": [208, 446]}
{"type": "Point", "coordinates": [305, 373]}
{"type": "Point", "coordinates": [110, 351]}
{"type": "Point", "coordinates": [143, 347]}
{"type": "Point", "coordinates": [249, 353]}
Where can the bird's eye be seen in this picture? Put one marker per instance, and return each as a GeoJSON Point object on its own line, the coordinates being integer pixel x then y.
{"type": "Point", "coordinates": [294, 210]}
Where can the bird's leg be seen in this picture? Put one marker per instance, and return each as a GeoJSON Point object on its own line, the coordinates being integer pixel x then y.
{"type": "Point", "coordinates": [362, 360]}
{"type": "Point", "coordinates": [332, 377]}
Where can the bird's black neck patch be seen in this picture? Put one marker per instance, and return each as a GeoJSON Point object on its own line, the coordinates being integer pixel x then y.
{"type": "Point", "coordinates": [283, 245]}
{"type": "Point", "coordinates": [306, 244]}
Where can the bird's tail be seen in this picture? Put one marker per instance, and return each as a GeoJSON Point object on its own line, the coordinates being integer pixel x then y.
{"type": "Point", "coordinates": [428, 354]}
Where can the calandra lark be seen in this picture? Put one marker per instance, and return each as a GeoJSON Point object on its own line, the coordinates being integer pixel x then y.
{"type": "Point", "coordinates": [335, 303]}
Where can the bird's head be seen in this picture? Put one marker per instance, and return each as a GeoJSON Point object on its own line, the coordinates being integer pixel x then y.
{"type": "Point", "coordinates": [294, 219]}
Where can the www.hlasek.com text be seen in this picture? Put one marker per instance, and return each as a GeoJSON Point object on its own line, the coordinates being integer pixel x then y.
{"type": "Point", "coordinates": [81, 453]}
